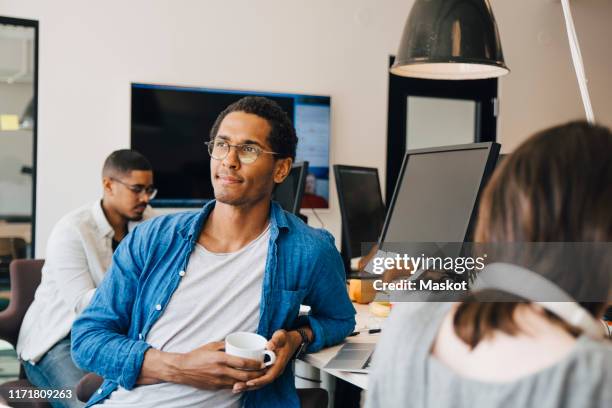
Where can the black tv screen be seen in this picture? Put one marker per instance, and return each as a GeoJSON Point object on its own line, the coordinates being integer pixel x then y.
{"type": "Point", "coordinates": [169, 125]}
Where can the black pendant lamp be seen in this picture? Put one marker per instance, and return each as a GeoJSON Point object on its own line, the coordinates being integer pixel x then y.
{"type": "Point", "coordinates": [450, 39]}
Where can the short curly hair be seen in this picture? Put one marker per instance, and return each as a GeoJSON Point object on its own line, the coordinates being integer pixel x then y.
{"type": "Point", "coordinates": [282, 137]}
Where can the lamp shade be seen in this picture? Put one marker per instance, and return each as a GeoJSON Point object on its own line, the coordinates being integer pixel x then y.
{"type": "Point", "coordinates": [450, 39]}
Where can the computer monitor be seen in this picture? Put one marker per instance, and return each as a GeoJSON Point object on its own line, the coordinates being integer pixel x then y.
{"type": "Point", "coordinates": [436, 195]}
{"type": "Point", "coordinates": [289, 193]}
{"type": "Point", "coordinates": [361, 208]}
{"type": "Point", "coordinates": [169, 125]}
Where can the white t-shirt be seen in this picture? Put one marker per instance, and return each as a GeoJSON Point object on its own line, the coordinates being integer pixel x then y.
{"type": "Point", "coordinates": [218, 295]}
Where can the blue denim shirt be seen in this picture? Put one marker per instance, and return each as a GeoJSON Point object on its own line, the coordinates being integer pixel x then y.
{"type": "Point", "coordinates": [302, 267]}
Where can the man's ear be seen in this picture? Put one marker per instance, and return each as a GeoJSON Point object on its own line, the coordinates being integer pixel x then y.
{"type": "Point", "coordinates": [282, 169]}
{"type": "Point", "coordinates": [107, 185]}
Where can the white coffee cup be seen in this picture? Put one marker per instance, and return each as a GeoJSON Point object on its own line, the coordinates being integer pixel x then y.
{"type": "Point", "coordinates": [249, 345]}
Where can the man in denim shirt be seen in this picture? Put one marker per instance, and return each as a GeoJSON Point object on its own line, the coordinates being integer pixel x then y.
{"type": "Point", "coordinates": [181, 283]}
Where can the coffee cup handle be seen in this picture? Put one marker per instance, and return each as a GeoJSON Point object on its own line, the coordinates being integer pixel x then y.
{"type": "Point", "coordinates": [272, 358]}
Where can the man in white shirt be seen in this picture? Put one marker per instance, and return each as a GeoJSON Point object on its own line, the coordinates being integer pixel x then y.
{"type": "Point", "coordinates": [79, 251]}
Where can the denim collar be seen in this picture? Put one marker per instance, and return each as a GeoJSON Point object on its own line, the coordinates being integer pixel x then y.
{"type": "Point", "coordinates": [191, 231]}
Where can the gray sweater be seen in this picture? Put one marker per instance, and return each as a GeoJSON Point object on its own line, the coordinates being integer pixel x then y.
{"type": "Point", "coordinates": [406, 375]}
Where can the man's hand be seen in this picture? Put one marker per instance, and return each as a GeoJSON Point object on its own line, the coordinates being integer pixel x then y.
{"type": "Point", "coordinates": [207, 367]}
{"type": "Point", "coordinates": [284, 344]}
{"type": "Point", "coordinates": [364, 260]}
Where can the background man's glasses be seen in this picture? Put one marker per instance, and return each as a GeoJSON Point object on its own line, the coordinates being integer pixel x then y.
{"type": "Point", "coordinates": [139, 189]}
{"type": "Point", "coordinates": [247, 153]}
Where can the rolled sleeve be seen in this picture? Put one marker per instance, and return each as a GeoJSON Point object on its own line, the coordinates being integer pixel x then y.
{"type": "Point", "coordinates": [133, 364]}
{"type": "Point", "coordinates": [332, 315]}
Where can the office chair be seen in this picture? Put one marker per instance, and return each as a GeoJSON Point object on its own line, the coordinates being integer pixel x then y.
{"type": "Point", "coordinates": [87, 386]}
{"type": "Point", "coordinates": [10, 248]}
{"type": "Point", "coordinates": [25, 277]}
{"type": "Point", "coordinates": [312, 397]}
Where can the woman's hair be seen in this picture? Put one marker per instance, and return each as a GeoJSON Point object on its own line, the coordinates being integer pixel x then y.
{"type": "Point", "coordinates": [556, 187]}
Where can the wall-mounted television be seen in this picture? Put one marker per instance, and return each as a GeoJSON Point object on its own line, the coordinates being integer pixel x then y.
{"type": "Point", "coordinates": [169, 125]}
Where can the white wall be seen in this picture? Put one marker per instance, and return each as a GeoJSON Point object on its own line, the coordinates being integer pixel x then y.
{"type": "Point", "coordinates": [541, 89]}
{"type": "Point", "coordinates": [91, 51]}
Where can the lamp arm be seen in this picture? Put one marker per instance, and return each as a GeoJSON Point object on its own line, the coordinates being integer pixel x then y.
{"type": "Point", "coordinates": [577, 59]}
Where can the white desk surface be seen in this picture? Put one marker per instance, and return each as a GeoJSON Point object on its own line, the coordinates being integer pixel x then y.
{"type": "Point", "coordinates": [364, 320]}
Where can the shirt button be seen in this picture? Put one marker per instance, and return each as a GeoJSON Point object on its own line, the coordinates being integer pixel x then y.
{"type": "Point", "coordinates": [157, 307]}
{"type": "Point", "coordinates": [182, 273]}
{"type": "Point", "coordinates": [140, 336]}
{"type": "Point", "coordinates": [99, 390]}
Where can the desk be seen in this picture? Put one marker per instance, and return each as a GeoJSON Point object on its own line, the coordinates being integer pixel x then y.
{"type": "Point", "coordinates": [318, 360]}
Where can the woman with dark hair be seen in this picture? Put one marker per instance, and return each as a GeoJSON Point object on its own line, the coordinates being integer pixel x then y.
{"type": "Point", "coordinates": [556, 187]}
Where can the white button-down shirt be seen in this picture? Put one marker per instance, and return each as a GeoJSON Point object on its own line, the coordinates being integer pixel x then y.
{"type": "Point", "coordinates": [79, 251]}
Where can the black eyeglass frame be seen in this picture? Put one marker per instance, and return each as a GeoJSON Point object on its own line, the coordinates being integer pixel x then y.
{"type": "Point", "coordinates": [211, 145]}
{"type": "Point", "coordinates": [150, 190]}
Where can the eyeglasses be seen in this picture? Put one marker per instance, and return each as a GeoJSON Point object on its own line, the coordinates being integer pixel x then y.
{"type": "Point", "coordinates": [139, 189]}
{"type": "Point", "coordinates": [247, 153]}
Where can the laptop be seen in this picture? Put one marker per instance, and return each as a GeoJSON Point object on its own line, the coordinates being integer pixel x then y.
{"type": "Point", "coordinates": [353, 357]}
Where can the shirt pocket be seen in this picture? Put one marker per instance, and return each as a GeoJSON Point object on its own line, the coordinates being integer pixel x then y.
{"type": "Point", "coordinates": [289, 309]}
